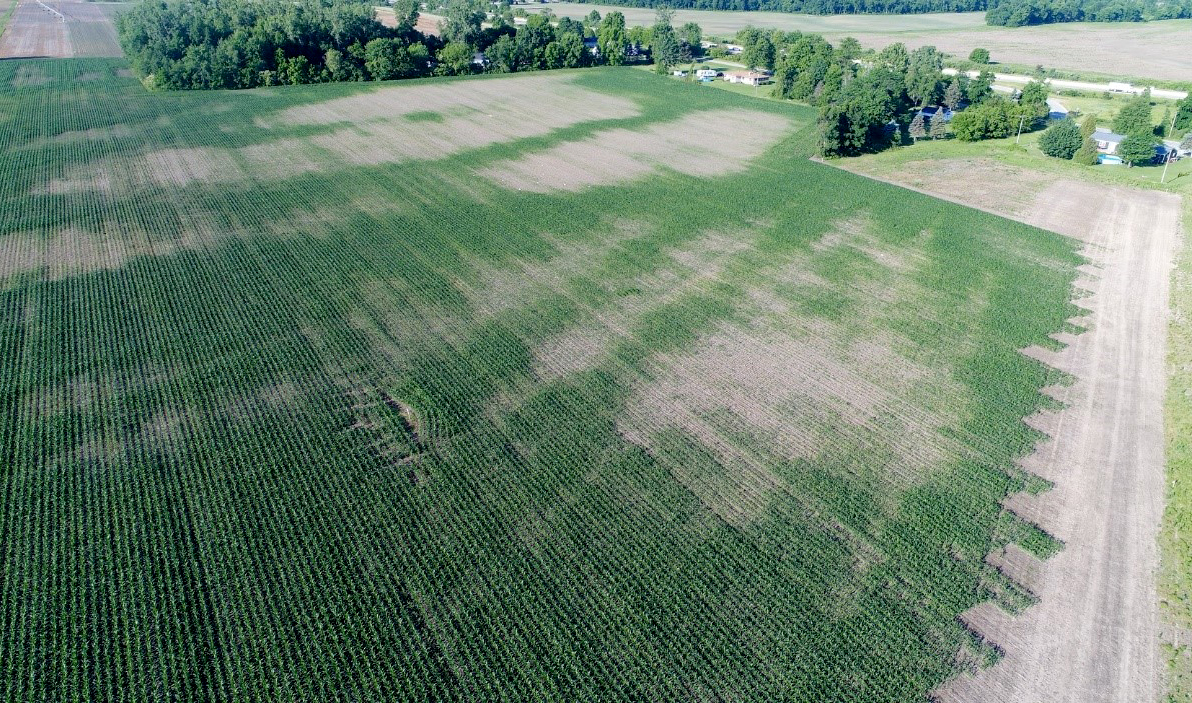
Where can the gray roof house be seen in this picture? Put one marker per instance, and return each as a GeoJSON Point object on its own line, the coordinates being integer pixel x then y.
{"type": "Point", "coordinates": [1107, 141]}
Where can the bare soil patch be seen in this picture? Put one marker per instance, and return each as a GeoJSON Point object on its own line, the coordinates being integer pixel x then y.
{"type": "Point", "coordinates": [375, 131]}
{"type": "Point", "coordinates": [521, 99]}
{"type": "Point", "coordinates": [619, 155]}
{"type": "Point", "coordinates": [1093, 636]}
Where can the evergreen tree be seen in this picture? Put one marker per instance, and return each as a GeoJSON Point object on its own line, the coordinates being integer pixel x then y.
{"type": "Point", "coordinates": [1135, 116]}
{"type": "Point", "coordinates": [1088, 125]}
{"type": "Point", "coordinates": [1183, 113]}
{"type": "Point", "coordinates": [1137, 149]}
{"type": "Point", "coordinates": [1087, 153]}
{"type": "Point", "coordinates": [918, 127]}
{"type": "Point", "coordinates": [939, 127]}
{"type": "Point", "coordinates": [952, 95]}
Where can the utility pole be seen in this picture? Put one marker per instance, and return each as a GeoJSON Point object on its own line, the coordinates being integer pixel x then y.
{"type": "Point", "coordinates": [1021, 120]}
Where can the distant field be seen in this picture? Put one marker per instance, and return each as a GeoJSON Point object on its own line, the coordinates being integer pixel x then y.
{"type": "Point", "coordinates": [571, 386]}
{"type": "Point", "coordinates": [719, 23]}
{"type": "Point", "coordinates": [1149, 50]}
{"type": "Point", "coordinates": [87, 31]}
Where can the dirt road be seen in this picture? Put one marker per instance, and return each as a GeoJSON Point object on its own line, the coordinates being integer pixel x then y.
{"type": "Point", "coordinates": [1093, 636]}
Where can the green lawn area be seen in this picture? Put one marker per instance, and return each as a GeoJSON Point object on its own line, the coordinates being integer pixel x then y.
{"type": "Point", "coordinates": [1028, 155]}
{"type": "Point", "coordinates": [1175, 577]}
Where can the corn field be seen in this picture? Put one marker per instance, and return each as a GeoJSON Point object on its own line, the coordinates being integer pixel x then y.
{"type": "Point", "coordinates": [332, 425]}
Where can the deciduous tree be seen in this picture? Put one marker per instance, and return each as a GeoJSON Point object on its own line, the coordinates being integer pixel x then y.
{"type": "Point", "coordinates": [1061, 140]}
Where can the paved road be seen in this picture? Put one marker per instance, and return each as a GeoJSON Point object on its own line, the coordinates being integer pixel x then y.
{"type": "Point", "coordinates": [1076, 85]}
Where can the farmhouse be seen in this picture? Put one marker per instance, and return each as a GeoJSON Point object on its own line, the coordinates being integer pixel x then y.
{"type": "Point", "coordinates": [1173, 145]}
{"type": "Point", "coordinates": [930, 113]}
{"type": "Point", "coordinates": [1056, 109]}
{"type": "Point", "coordinates": [1107, 141]}
{"type": "Point", "coordinates": [746, 77]}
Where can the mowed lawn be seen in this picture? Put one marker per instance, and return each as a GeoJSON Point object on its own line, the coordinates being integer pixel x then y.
{"type": "Point", "coordinates": [570, 386]}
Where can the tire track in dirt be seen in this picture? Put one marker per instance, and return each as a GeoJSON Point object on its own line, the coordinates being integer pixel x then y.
{"type": "Point", "coordinates": [1093, 636]}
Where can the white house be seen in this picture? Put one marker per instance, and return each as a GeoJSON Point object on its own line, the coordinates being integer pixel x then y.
{"type": "Point", "coordinates": [1107, 141]}
{"type": "Point", "coordinates": [746, 77]}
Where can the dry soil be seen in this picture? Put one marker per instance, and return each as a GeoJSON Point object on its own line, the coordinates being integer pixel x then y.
{"type": "Point", "coordinates": [1093, 636]}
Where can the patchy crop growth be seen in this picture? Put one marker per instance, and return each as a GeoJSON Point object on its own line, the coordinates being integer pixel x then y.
{"type": "Point", "coordinates": [300, 401]}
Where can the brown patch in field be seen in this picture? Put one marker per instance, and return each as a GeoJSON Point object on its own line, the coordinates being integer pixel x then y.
{"type": "Point", "coordinates": [612, 156]}
{"type": "Point", "coordinates": [29, 76]}
{"type": "Point", "coordinates": [497, 287]}
{"type": "Point", "coordinates": [698, 262]}
{"type": "Point", "coordinates": [519, 106]}
{"type": "Point", "coordinates": [797, 393]}
{"type": "Point", "coordinates": [178, 167]}
{"type": "Point", "coordinates": [165, 431]}
{"type": "Point", "coordinates": [283, 158]}
{"type": "Point", "coordinates": [279, 395]}
{"type": "Point", "coordinates": [124, 73]}
{"type": "Point", "coordinates": [74, 251]}
{"type": "Point", "coordinates": [95, 134]}
{"type": "Point", "coordinates": [859, 233]}
{"type": "Point", "coordinates": [374, 131]}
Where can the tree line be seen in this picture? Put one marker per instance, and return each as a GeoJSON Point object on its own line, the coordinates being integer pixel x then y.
{"type": "Point", "coordinates": [1019, 13]}
{"type": "Point", "coordinates": [815, 7]}
{"type": "Point", "coordinates": [869, 101]}
{"type": "Point", "coordinates": [1008, 13]}
{"type": "Point", "coordinates": [207, 44]}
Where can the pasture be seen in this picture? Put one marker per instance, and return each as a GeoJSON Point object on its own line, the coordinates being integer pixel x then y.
{"type": "Point", "coordinates": [572, 386]}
